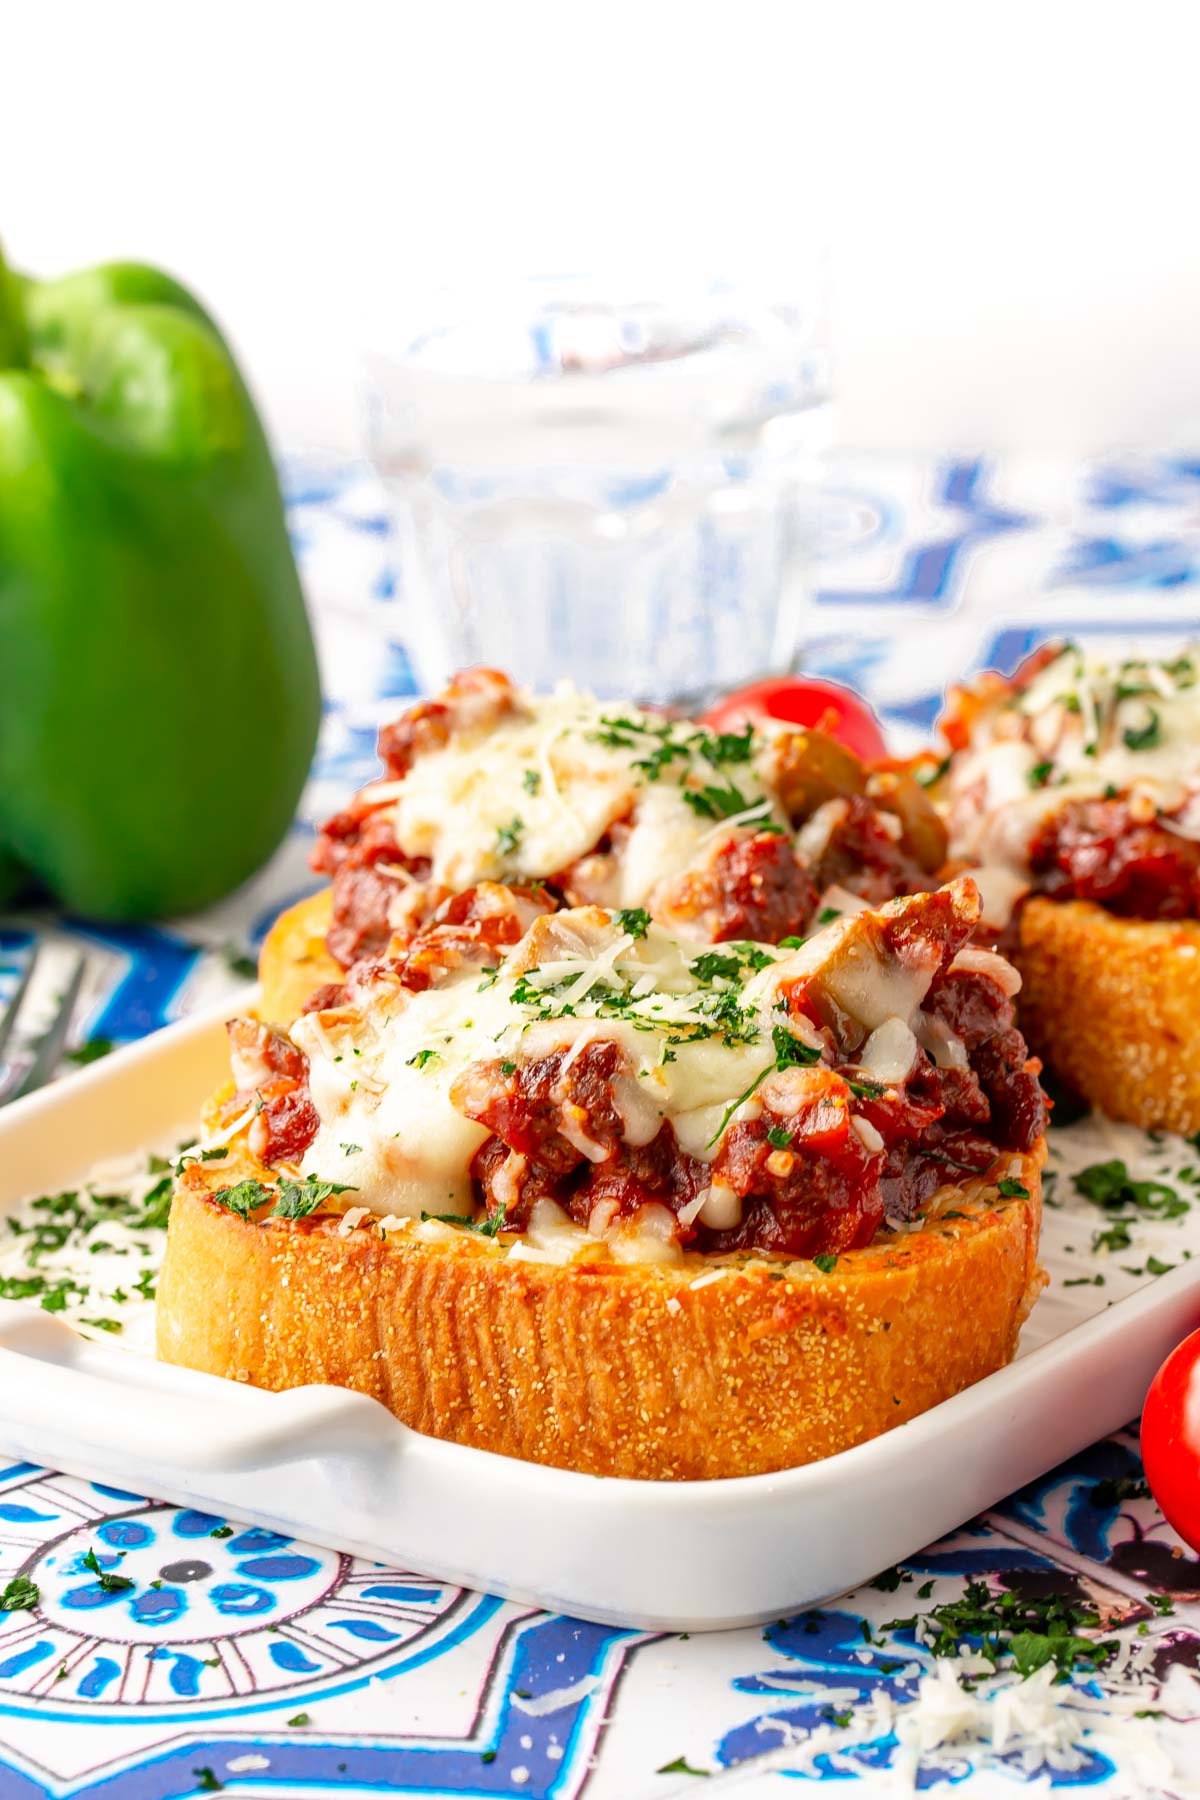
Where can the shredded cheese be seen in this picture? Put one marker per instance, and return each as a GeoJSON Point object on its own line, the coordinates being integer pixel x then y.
{"type": "Point", "coordinates": [1085, 727]}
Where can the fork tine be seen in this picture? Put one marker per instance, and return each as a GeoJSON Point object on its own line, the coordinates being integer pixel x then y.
{"type": "Point", "coordinates": [53, 1041]}
{"type": "Point", "coordinates": [8, 1017]}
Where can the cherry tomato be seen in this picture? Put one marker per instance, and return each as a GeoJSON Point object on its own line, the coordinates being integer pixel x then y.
{"type": "Point", "coordinates": [803, 700]}
{"type": "Point", "coordinates": [1171, 1439]}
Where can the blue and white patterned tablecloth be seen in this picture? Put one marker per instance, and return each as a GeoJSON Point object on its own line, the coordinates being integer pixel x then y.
{"type": "Point", "coordinates": [267, 1667]}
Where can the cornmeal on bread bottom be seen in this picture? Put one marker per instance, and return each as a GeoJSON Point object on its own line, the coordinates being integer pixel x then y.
{"type": "Point", "coordinates": [706, 1369]}
{"type": "Point", "coordinates": [1113, 1006]}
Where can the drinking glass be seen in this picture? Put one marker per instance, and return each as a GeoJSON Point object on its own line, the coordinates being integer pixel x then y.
{"type": "Point", "coordinates": [611, 482]}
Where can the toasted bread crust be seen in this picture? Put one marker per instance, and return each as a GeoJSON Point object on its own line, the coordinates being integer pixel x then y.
{"type": "Point", "coordinates": [294, 962]}
{"type": "Point", "coordinates": [602, 1367]}
{"type": "Point", "coordinates": [1113, 1006]}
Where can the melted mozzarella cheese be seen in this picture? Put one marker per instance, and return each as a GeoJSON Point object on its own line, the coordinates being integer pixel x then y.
{"type": "Point", "coordinates": [695, 1034]}
{"type": "Point", "coordinates": [381, 1081]}
{"type": "Point", "coordinates": [534, 792]}
{"type": "Point", "coordinates": [1084, 727]}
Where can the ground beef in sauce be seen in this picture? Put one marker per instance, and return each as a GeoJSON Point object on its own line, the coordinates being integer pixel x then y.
{"type": "Point", "coordinates": [751, 887]}
{"type": "Point", "coordinates": [820, 1191]}
{"type": "Point", "coordinates": [355, 842]}
{"type": "Point", "coordinates": [556, 1110]}
{"type": "Point", "coordinates": [763, 893]}
{"type": "Point", "coordinates": [271, 1074]}
{"type": "Point", "coordinates": [810, 1180]}
{"type": "Point", "coordinates": [824, 1190]}
{"type": "Point", "coordinates": [1094, 850]}
{"type": "Point", "coordinates": [863, 856]}
{"type": "Point", "coordinates": [360, 925]}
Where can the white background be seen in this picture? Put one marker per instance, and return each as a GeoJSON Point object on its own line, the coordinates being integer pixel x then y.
{"type": "Point", "coordinates": [1011, 192]}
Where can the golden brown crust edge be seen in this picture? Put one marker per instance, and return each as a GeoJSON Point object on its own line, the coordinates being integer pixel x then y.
{"type": "Point", "coordinates": [606, 1368]}
{"type": "Point", "coordinates": [1113, 1006]}
{"type": "Point", "coordinates": [294, 962]}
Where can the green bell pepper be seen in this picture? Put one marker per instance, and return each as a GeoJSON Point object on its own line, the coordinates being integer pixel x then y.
{"type": "Point", "coordinates": [159, 700]}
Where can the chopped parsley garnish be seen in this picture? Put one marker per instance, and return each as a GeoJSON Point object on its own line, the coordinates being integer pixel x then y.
{"type": "Point", "coordinates": [951, 1162]}
{"type": "Point", "coordinates": [157, 1207]}
{"type": "Point", "coordinates": [714, 966]}
{"type": "Point", "coordinates": [866, 1090]}
{"type": "Point", "coordinates": [890, 1580]}
{"type": "Point", "coordinates": [826, 1262]}
{"type": "Point", "coordinates": [297, 1199]}
{"type": "Point", "coordinates": [1109, 1184]}
{"type": "Point", "coordinates": [708, 1013]}
{"type": "Point", "coordinates": [929, 773]}
{"type": "Point", "coordinates": [790, 1052]}
{"type": "Point", "coordinates": [653, 765]}
{"type": "Point", "coordinates": [791, 943]}
{"type": "Point", "coordinates": [720, 802]}
{"type": "Point", "coordinates": [633, 919]}
{"type": "Point", "coordinates": [301, 1718]}
{"type": "Point", "coordinates": [508, 1068]}
{"type": "Point", "coordinates": [221, 1531]}
{"type": "Point", "coordinates": [1040, 774]}
{"type": "Point", "coordinates": [1034, 1629]}
{"type": "Point", "coordinates": [667, 741]}
{"type": "Point", "coordinates": [1012, 1190]}
{"type": "Point", "coordinates": [238, 963]}
{"type": "Point", "coordinates": [729, 964]}
{"type": "Point", "coordinates": [90, 1052]}
{"type": "Point", "coordinates": [21, 1595]}
{"type": "Point", "coordinates": [727, 746]}
{"type": "Point", "coordinates": [614, 734]}
{"type": "Point", "coordinates": [54, 1300]}
{"type": "Point", "coordinates": [779, 1136]}
{"type": "Point", "coordinates": [1144, 737]}
{"type": "Point", "coordinates": [509, 836]}
{"type": "Point", "coordinates": [1116, 1237]}
{"type": "Point", "coordinates": [421, 1059]}
{"type": "Point", "coordinates": [21, 1287]}
{"type": "Point", "coordinates": [531, 780]}
{"type": "Point", "coordinates": [111, 1584]}
{"type": "Point", "coordinates": [243, 1199]}
{"type": "Point", "coordinates": [293, 1200]}
{"type": "Point", "coordinates": [206, 1781]}
{"type": "Point", "coordinates": [681, 1766]}
{"type": "Point", "coordinates": [485, 1227]}
{"type": "Point", "coordinates": [827, 915]}
{"type": "Point", "coordinates": [350, 1149]}
{"type": "Point", "coordinates": [1114, 1488]}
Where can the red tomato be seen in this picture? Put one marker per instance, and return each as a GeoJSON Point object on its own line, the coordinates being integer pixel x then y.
{"type": "Point", "coordinates": [803, 700]}
{"type": "Point", "coordinates": [1171, 1439]}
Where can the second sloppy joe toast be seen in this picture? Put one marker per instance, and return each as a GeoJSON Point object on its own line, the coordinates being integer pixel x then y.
{"type": "Point", "coordinates": [1074, 786]}
{"type": "Point", "coordinates": [717, 834]}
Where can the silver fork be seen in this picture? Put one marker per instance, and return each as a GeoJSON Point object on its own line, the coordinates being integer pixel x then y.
{"type": "Point", "coordinates": [47, 1050]}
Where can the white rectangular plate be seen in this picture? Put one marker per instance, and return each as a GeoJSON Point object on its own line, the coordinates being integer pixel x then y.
{"type": "Point", "coordinates": [336, 1468]}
